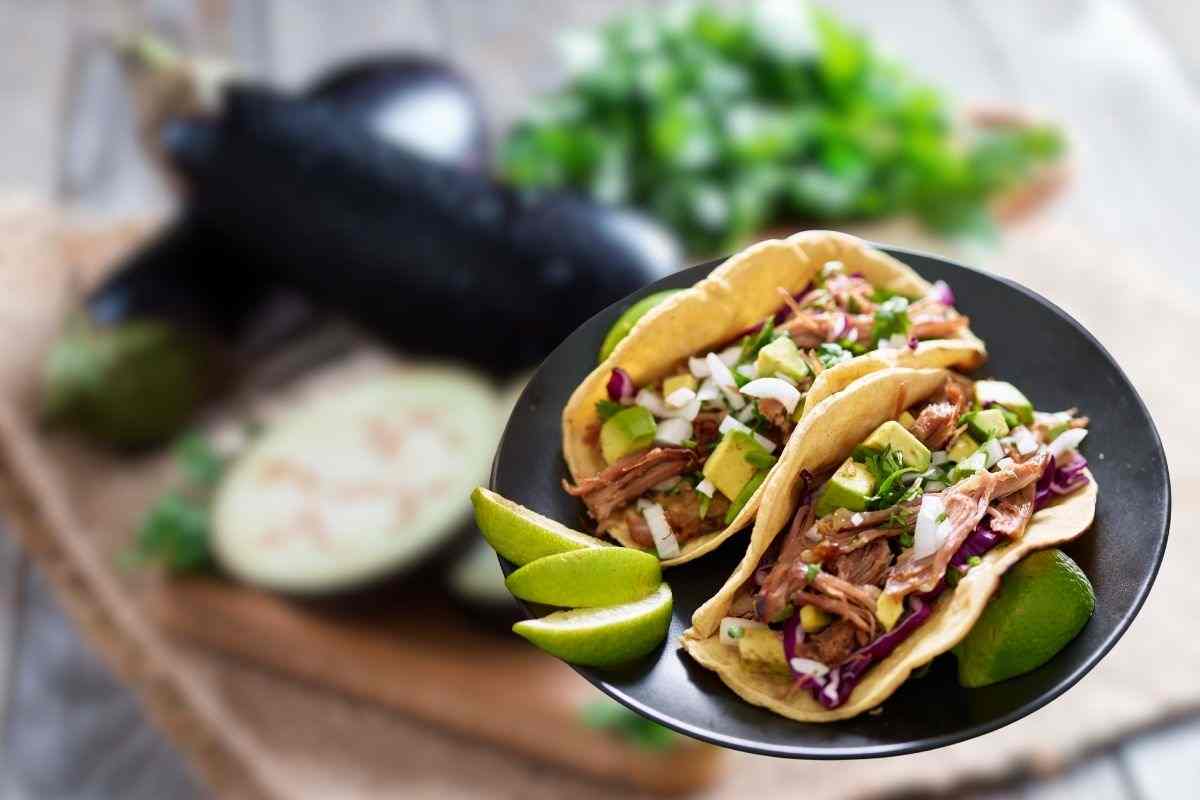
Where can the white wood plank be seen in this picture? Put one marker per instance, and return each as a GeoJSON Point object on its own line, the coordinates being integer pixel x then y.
{"type": "Point", "coordinates": [1133, 117]}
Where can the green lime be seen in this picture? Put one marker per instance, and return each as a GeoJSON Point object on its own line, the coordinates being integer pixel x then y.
{"type": "Point", "coordinates": [592, 576]}
{"type": "Point", "coordinates": [629, 318]}
{"type": "Point", "coordinates": [521, 535]}
{"type": "Point", "coordinates": [1042, 604]}
{"type": "Point", "coordinates": [603, 637]}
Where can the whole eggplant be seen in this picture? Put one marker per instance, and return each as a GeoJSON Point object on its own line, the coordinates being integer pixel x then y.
{"type": "Point", "coordinates": [424, 255]}
{"type": "Point", "coordinates": [165, 318]}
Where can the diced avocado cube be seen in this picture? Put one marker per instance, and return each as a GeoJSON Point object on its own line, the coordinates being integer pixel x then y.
{"type": "Point", "coordinates": [963, 447]}
{"type": "Point", "coordinates": [677, 382]}
{"type": "Point", "coordinates": [728, 468]}
{"type": "Point", "coordinates": [887, 610]}
{"type": "Point", "coordinates": [783, 358]}
{"type": "Point", "coordinates": [987, 423]}
{"type": "Point", "coordinates": [1006, 395]}
{"type": "Point", "coordinates": [813, 619]}
{"type": "Point", "coordinates": [892, 434]}
{"type": "Point", "coordinates": [849, 488]}
{"type": "Point", "coordinates": [628, 431]}
{"type": "Point", "coordinates": [763, 648]}
{"type": "Point", "coordinates": [976, 462]}
{"type": "Point", "coordinates": [907, 420]}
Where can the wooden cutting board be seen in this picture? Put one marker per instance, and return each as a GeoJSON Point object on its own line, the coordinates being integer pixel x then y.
{"type": "Point", "coordinates": [270, 698]}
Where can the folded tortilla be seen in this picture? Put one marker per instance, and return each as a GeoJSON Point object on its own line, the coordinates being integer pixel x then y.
{"type": "Point", "coordinates": [737, 295]}
{"type": "Point", "coordinates": [824, 439]}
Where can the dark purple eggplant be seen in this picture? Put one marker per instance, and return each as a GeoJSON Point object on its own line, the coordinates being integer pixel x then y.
{"type": "Point", "coordinates": [411, 101]}
{"type": "Point", "coordinates": [424, 255]}
{"type": "Point", "coordinates": [187, 297]}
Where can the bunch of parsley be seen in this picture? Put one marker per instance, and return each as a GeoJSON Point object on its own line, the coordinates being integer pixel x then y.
{"type": "Point", "coordinates": [722, 123]}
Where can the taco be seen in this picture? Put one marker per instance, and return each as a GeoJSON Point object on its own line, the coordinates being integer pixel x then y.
{"type": "Point", "coordinates": [891, 516]}
{"type": "Point", "coordinates": [671, 437]}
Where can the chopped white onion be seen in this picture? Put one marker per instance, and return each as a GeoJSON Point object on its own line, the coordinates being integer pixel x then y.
{"type": "Point", "coordinates": [708, 390]}
{"type": "Point", "coordinates": [720, 372]}
{"type": "Point", "coordinates": [664, 538]}
{"type": "Point", "coordinates": [852, 336]}
{"type": "Point", "coordinates": [929, 533]}
{"type": "Point", "coordinates": [1067, 441]}
{"type": "Point", "coordinates": [698, 367]}
{"type": "Point", "coordinates": [831, 689]}
{"type": "Point", "coordinates": [839, 326]}
{"type": "Point", "coordinates": [856, 519]}
{"type": "Point", "coordinates": [744, 624]}
{"type": "Point", "coordinates": [652, 401]}
{"type": "Point", "coordinates": [673, 431]}
{"type": "Point", "coordinates": [1024, 440]}
{"type": "Point", "coordinates": [748, 371]}
{"type": "Point", "coordinates": [706, 488]}
{"type": "Point", "coordinates": [1053, 419]}
{"type": "Point", "coordinates": [806, 666]}
{"type": "Point", "coordinates": [680, 397]}
{"type": "Point", "coordinates": [667, 485]}
{"type": "Point", "coordinates": [897, 341]}
{"type": "Point", "coordinates": [831, 267]}
{"type": "Point", "coordinates": [746, 414]}
{"type": "Point", "coordinates": [730, 424]}
{"type": "Point", "coordinates": [774, 389]}
{"type": "Point", "coordinates": [992, 452]}
{"type": "Point", "coordinates": [643, 504]}
{"type": "Point", "coordinates": [1005, 463]}
{"type": "Point", "coordinates": [730, 355]}
{"type": "Point", "coordinates": [938, 458]}
{"type": "Point", "coordinates": [732, 398]}
{"type": "Point", "coordinates": [935, 486]}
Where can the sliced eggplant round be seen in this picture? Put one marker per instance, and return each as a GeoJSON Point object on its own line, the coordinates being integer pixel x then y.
{"type": "Point", "coordinates": [360, 486]}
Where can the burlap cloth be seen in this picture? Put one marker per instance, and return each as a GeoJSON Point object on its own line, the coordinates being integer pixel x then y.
{"type": "Point", "coordinates": [251, 733]}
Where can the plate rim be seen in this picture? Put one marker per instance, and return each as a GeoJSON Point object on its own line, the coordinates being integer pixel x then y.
{"type": "Point", "coordinates": [804, 752]}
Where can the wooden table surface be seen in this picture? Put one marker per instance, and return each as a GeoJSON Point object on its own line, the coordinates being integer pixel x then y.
{"type": "Point", "coordinates": [1120, 76]}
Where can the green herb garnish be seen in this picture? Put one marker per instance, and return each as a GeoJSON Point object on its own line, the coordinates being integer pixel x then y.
{"type": "Point", "coordinates": [754, 342]}
{"type": "Point", "coordinates": [831, 353]}
{"type": "Point", "coordinates": [606, 408]}
{"type": "Point", "coordinates": [734, 631]}
{"type": "Point", "coordinates": [891, 318]}
{"type": "Point", "coordinates": [761, 459]}
{"type": "Point", "coordinates": [811, 571]}
{"type": "Point", "coordinates": [941, 518]}
{"type": "Point", "coordinates": [974, 561]}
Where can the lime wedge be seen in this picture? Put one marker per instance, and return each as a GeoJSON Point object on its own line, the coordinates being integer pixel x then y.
{"type": "Point", "coordinates": [603, 637]}
{"type": "Point", "coordinates": [629, 318]}
{"type": "Point", "coordinates": [521, 535]}
{"type": "Point", "coordinates": [1042, 604]}
{"type": "Point", "coordinates": [592, 576]}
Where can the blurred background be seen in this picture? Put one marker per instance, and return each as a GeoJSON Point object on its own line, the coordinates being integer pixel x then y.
{"type": "Point", "coordinates": [1054, 142]}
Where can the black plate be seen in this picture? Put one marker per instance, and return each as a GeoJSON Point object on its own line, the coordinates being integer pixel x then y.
{"type": "Point", "coordinates": [1032, 343]}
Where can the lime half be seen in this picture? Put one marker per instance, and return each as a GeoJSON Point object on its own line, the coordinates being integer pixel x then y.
{"type": "Point", "coordinates": [1042, 604]}
{"type": "Point", "coordinates": [603, 637]}
{"type": "Point", "coordinates": [592, 576]}
{"type": "Point", "coordinates": [629, 318]}
{"type": "Point", "coordinates": [521, 535]}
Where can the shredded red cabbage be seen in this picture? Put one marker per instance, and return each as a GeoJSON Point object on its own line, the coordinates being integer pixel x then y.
{"type": "Point", "coordinates": [912, 343]}
{"type": "Point", "coordinates": [620, 386]}
{"type": "Point", "coordinates": [1060, 479]}
{"type": "Point", "coordinates": [834, 688]}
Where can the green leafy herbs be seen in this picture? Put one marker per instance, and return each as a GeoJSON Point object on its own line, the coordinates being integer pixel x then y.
{"type": "Point", "coordinates": [174, 531]}
{"type": "Point", "coordinates": [891, 318]}
{"type": "Point", "coordinates": [887, 467]}
{"type": "Point", "coordinates": [753, 342]}
{"type": "Point", "coordinates": [721, 123]}
{"type": "Point", "coordinates": [811, 571]}
{"type": "Point", "coordinates": [606, 408]}
{"type": "Point", "coordinates": [606, 715]}
{"type": "Point", "coordinates": [831, 353]}
{"type": "Point", "coordinates": [761, 459]}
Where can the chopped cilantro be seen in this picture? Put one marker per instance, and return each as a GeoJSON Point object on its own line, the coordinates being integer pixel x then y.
{"type": "Point", "coordinates": [887, 466]}
{"type": "Point", "coordinates": [891, 317]}
{"type": "Point", "coordinates": [831, 353]}
{"type": "Point", "coordinates": [606, 408]}
{"type": "Point", "coordinates": [690, 444]}
{"type": "Point", "coordinates": [761, 459]}
{"type": "Point", "coordinates": [752, 343]}
{"type": "Point", "coordinates": [952, 576]}
{"type": "Point", "coordinates": [906, 539]}
{"type": "Point", "coordinates": [855, 348]}
{"type": "Point", "coordinates": [941, 518]}
{"type": "Point", "coordinates": [974, 561]}
{"type": "Point", "coordinates": [811, 571]}
{"type": "Point", "coordinates": [735, 631]}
